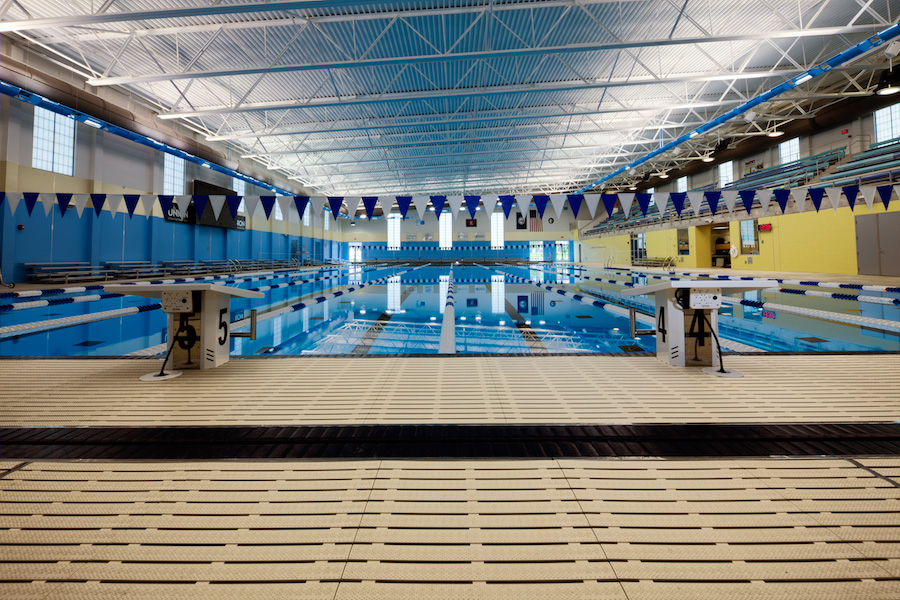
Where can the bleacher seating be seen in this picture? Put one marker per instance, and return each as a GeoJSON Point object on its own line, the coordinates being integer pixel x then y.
{"type": "Point", "coordinates": [881, 162]}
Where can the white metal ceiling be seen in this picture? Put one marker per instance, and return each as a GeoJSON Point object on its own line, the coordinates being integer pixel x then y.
{"type": "Point", "coordinates": [458, 96]}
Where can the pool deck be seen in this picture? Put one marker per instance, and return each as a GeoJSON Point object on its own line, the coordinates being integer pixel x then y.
{"type": "Point", "coordinates": [362, 521]}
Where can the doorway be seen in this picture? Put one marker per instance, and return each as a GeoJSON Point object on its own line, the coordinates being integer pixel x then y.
{"type": "Point", "coordinates": [720, 245]}
{"type": "Point", "coordinates": [878, 244]}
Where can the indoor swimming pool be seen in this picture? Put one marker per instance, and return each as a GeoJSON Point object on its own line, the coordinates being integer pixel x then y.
{"type": "Point", "coordinates": [370, 309]}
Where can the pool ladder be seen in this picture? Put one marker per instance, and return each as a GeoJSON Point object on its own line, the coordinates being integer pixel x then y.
{"type": "Point", "coordinates": [632, 317]}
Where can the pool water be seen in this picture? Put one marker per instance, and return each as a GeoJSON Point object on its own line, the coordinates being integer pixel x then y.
{"type": "Point", "coordinates": [403, 314]}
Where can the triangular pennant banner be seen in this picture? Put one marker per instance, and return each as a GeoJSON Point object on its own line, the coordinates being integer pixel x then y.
{"type": "Point", "coordinates": [251, 203]}
{"type": "Point", "coordinates": [490, 203]}
{"type": "Point", "coordinates": [131, 202]}
{"type": "Point", "coordinates": [233, 202]}
{"type": "Point", "coordinates": [335, 202]}
{"type": "Point", "coordinates": [114, 201]}
{"type": "Point", "coordinates": [799, 195]}
{"type": "Point", "coordinates": [30, 200]}
{"type": "Point", "coordinates": [540, 202]}
{"type": "Point", "coordinates": [816, 194]}
{"type": "Point", "coordinates": [353, 205]}
{"type": "Point", "coordinates": [13, 201]}
{"type": "Point", "coordinates": [318, 203]}
{"type": "Point", "coordinates": [147, 201]}
{"type": "Point", "coordinates": [593, 202]}
{"type": "Point", "coordinates": [747, 199]}
{"type": "Point", "coordinates": [834, 196]}
{"type": "Point", "coordinates": [884, 192]}
{"type": "Point", "coordinates": [696, 200]}
{"type": "Point", "coordinates": [300, 203]}
{"type": "Point", "coordinates": [712, 199]}
{"type": "Point", "coordinates": [438, 203]}
{"type": "Point", "coordinates": [48, 201]}
{"type": "Point", "coordinates": [643, 201]}
{"type": "Point", "coordinates": [472, 205]}
{"type": "Point", "coordinates": [851, 191]}
{"type": "Point", "coordinates": [609, 203]}
{"type": "Point", "coordinates": [285, 203]}
{"type": "Point", "coordinates": [165, 202]}
{"type": "Point", "coordinates": [387, 205]}
{"type": "Point", "coordinates": [524, 201]}
{"type": "Point", "coordinates": [575, 201]}
{"type": "Point", "coordinates": [626, 200]}
{"type": "Point", "coordinates": [506, 202]}
{"type": "Point", "coordinates": [559, 203]}
{"type": "Point", "coordinates": [369, 204]}
{"type": "Point", "coordinates": [677, 199]}
{"type": "Point", "coordinates": [403, 204]}
{"type": "Point", "coordinates": [729, 197]}
{"type": "Point", "coordinates": [782, 196]}
{"type": "Point", "coordinates": [181, 202]}
{"type": "Point", "coordinates": [868, 194]}
{"type": "Point", "coordinates": [217, 202]}
{"type": "Point", "coordinates": [79, 201]}
{"type": "Point", "coordinates": [268, 202]}
{"type": "Point", "coordinates": [421, 204]}
{"type": "Point", "coordinates": [455, 203]}
{"type": "Point", "coordinates": [63, 201]}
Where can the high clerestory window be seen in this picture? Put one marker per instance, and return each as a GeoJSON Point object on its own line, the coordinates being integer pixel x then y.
{"type": "Point", "coordinates": [726, 173]}
{"type": "Point", "coordinates": [498, 241]}
{"type": "Point", "coordinates": [240, 189]}
{"type": "Point", "coordinates": [54, 142]}
{"type": "Point", "coordinates": [173, 175]}
{"type": "Point", "coordinates": [681, 184]}
{"type": "Point", "coordinates": [887, 123]}
{"type": "Point", "coordinates": [445, 231]}
{"type": "Point", "coordinates": [789, 151]}
{"type": "Point", "coordinates": [393, 231]}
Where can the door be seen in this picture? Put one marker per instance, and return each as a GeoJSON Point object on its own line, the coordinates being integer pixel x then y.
{"type": "Point", "coordinates": [878, 244]}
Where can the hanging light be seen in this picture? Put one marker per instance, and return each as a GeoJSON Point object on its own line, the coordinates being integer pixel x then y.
{"type": "Point", "coordinates": [775, 133]}
{"type": "Point", "coordinates": [889, 83]}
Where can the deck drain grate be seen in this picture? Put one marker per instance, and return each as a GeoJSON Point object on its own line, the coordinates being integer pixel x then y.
{"type": "Point", "coordinates": [88, 343]}
{"type": "Point", "coordinates": [631, 348]}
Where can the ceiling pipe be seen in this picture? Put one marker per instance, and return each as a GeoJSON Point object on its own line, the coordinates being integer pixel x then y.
{"type": "Point", "coordinates": [848, 55]}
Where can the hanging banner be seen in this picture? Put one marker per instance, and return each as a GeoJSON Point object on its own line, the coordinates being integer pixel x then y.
{"type": "Point", "coordinates": [268, 202]}
{"type": "Point", "coordinates": [799, 195]}
{"type": "Point", "coordinates": [626, 200]}
{"type": "Point", "coordinates": [30, 200]}
{"type": "Point", "coordinates": [421, 203]}
{"type": "Point", "coordinates": [300, 203]}
{"type": "Point", "coordinates": [233, 203]}
{"type": "Point", "coordinates": [63, 201]}
{"type": "Point", "coordinates": [765, 199]}
{"type": "Point", "coordinates": [747, 199]}
{"type": "Point", "coordinates": [592, 201]}
{"type": "Point", "coordinates": [114, 201]}
{"type": "Point", "coordinates": [455, 203]}
{"type": "Point", "coordinates": [335, 202]}
{"type": "Point", "coordinates": [506, 202]}
{"type": "Point", "coordinates": [523, 201]}
{"type": "Point", "coordinates": [403, 205]}
{"type": "Point", "coordinates": [884, 192]}
{"type": "Point", "coordinates": [662, 201]}
{"type": "Point", "coordinates": [712, 199]}
{"type": "Point", "coordinates": [834, 196]}
{"type": "Point", "coordinates": [165, 202]}
{"type": "Point", "coordinates": [729, 197]}
{"type": "Point", "coordinates": [781, 197]}
{"type": "Point", "coordinates": [678, 201]}
{"type": "Point", "coordinates": [353, 205]}
{"type": "Point", "coordinates": [609, 203]}
{"type": "Point", "coordinates": [472, 205]}
{"type": "Point", "coordinates": [147, 203]}
{"type": "Point", "coordinates": [387, 205]}
{"type": "Point", "coordinates": [98, 200]}
{"type": "Point", "coordinates": [369, 206]}
{"type": "Point", "coordinates": [318, 204]}
{"type": "Point", "coordinates": [696, 200]}
{"type": "Point", "coordinates": [816, 194]}
{"type": "Point", "coordinates": [850, 192]}
{"type": "Point", "coordinates": [13, 201]}
{"type": "Point", "coordinates": [251, 203]}
{"type": "Point", "coordinates": [79, 201]}
{"type": "Point", "coordinates": [643, 201]}
{"type": "Point", "coordinates": [490, 202]}
{"type": "Point", "coordinates": [575, 201]}
{"type": "Point", "coordinates": [868, 194]}
{"type": "Point", "coordinates": [131, 202]}
{"type": "Point", "coordinates": [438, 203]}
{"type": "Point", "coordinates": [558, 201]}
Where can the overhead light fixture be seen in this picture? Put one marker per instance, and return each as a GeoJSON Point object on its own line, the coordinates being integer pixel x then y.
{"type": "Point", "coordinates": [803, 79]}
{"type": "Point", "coordinates": [92, 122]}
{"type": "Point", "coordinates": [749, 116]}
{"type": "Point", "coordinates": [676, 151]}
{"type": "Point", "coordinates": [889, 83]}
{"type": "Point", "coordinates": [663, 175]}
{"type": "Point", "coordinates": [632, 188]}
{"type": "Point", "coordinates": [707, 159]}
{"type": "Point", "coordinates": [775, 134]}
{"type": "Point", "coordinates": [694, 134]}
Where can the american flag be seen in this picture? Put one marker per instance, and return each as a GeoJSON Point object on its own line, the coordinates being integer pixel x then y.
{"type": "Point", "coordinates": [537, 303]}
{"type": "Point", "coordinates": [534, 222]}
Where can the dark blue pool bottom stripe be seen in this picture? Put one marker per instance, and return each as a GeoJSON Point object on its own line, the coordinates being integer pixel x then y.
{"type": "Point", "coordinates": [450, 441]}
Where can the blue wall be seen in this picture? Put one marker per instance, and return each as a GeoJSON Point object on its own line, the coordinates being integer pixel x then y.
{"type": "Point", "coordinates": [115, 237]}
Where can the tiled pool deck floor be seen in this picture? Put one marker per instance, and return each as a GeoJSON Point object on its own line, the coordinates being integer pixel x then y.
{"type": "Point", "coordinates": [639, 528]}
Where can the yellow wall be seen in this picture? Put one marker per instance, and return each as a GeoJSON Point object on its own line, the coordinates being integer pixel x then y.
{"type": "Point", "coordinates": [616, 249]}
{"type": "Point", "coordinates": [808, 242]}
{"type": "Point", "coordinates": [661, 244]}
